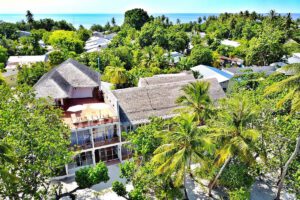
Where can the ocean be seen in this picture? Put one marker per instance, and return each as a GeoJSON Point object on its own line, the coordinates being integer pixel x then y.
{"type": "Point", "coordinates": [87, 20]}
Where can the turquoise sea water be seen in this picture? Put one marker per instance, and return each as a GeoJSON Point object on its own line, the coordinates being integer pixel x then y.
{"type": "Point", "coordinates": [89, 19]}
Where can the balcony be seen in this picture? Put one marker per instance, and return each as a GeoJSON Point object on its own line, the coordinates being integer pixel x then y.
{"type": "Point", "coordinates": [99, 142]}
{"type": "Point", "coordinates": [90, 112]}
{"type": "Point", "coordinates": [81, 160]}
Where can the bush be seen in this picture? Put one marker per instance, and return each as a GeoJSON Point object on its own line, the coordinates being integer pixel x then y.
{"type": "Point", "coordinates": [236, 176]}
{"type": "Point", "coordinates": [136, 194]}
{"type": "Point", "coordinates": [88, 176]}
{"type": "Point", "coordinates": [119, 188]}
{"type": "Point", "coordinates": [240, 194]}
{"type": "Point", "coordinates": [82, 178]}
{"type": "Point", "coordinates": [99, 173]}
{"type": "Point", "coordinates": [127, 170]}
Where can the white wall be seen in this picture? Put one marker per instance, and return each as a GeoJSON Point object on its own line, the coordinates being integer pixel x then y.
{"type": "Point", "coordinates": [82, 92]}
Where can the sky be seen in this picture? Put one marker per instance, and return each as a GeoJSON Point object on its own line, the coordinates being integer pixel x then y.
{"type": "Point", "coordinates": [152, 6]}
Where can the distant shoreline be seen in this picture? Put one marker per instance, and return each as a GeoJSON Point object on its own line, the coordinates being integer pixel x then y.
{"type": "Point", "coordinates": [87, 20]}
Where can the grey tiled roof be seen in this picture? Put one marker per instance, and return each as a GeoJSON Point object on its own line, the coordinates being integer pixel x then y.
{"type": "Point", "coordinates": [58, 82]}
{"type": "Point", "coordinates": [139, 103]}
{"type": "Point", "coordinates": [165, 78]}
{"type": "Point", "coordinates": [239, 71]}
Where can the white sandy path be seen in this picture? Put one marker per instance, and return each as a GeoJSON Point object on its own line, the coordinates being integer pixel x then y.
{"type": "Point", "coordinates": [261, 190]}
{"type": "Point", "coordinates": [99, 191]}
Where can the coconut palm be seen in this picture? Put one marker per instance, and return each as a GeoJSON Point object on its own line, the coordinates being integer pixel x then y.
{"type": "Point", "coordinates": [184, 142]}
{"type": "Point", "coordinates": [195, 98]}
{"type": "Point", "coordinates": [116, 75]}
{"type": "Point", "coordinates": [291, 85]}
{"type": "Point", "coordinates": [272, 14]}
{"type": "Point", "coordinates": [232, 132]}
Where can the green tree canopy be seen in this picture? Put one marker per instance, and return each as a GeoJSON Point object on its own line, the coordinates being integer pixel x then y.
{"type": "Point", "coordinates": [201, 55]}
{"type": "Point", "coordinates": [66, 40]}
{"type": "Point", "coordinates": [31, 74]}
{"type": "Point", "coordinates": [39, 141]}
{"type": "Point", "coordinates": [136, 18]}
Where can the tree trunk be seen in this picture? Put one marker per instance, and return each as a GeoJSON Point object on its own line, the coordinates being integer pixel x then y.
{"type": "Point", "coordinates": [285, 168]}
{"type": "Point", "coordinates": [67, 194]}
{"type": "Point", "coordinates": [184, 185]}
{"type": "Point", "coordinates": [211, 186]}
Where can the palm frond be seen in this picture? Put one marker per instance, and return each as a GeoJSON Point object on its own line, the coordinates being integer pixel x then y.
{"type": "Point", "coordinates": [179, 176]}
{"type": "Point", "coordinates": [224, 153]}
{"type": "Point", "coordinates": [283, 85]}
{"type": "Point", "coordinates": [251, 134]}
{"type": "Point", "coordinates": [177, 159]}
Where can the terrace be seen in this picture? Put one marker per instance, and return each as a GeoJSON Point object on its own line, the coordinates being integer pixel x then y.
{"type": "Point", "coordinates": [87, 112]}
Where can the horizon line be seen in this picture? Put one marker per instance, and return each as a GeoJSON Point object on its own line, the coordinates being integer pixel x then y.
{"type": "Point", "coordinates": [78, 13]}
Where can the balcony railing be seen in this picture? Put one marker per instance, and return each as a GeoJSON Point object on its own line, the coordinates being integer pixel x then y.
{"type": "Point", "coordinates": [80, 163]}
{"type": "Point", "coordinates": [98, 142]}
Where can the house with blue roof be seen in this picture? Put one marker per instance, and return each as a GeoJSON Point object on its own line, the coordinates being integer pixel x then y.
{"type": "Point", "coordinates": [212, 72]}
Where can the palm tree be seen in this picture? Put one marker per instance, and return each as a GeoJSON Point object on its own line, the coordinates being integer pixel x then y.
{"type": "Point", "coordinates": [292, 86]}
{"type": "Point", "coordinates": [233, 133]}
{"type": "Point", "coordinates": [29, 17]}
{"type": "Point", "coordinates": [185, 142]}
{"type": "Point", "coordinates": [196, 99]}
{"type": "Point", "coordinates": [116, 75]}
{"type": "Point", "coordinates": [113, 21]}
{"type": "Point", "coordinates": [272, 14]}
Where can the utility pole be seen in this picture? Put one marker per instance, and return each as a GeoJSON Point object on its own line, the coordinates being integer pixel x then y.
{"type": "Point", "coordinates": [98, 61]}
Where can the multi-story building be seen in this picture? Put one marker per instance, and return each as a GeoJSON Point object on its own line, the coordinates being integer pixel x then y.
{"type": "Point", "coordinates": [97, 116]}
{"type": "Point", "coordinates": [91, 116]}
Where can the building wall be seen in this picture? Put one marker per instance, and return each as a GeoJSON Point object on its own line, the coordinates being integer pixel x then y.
{"type": "Point", "coordinates": [91, 148]}
{"type": "Point", "coordinates": [82, 92]}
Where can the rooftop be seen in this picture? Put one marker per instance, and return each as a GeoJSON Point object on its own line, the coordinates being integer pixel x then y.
{"type": "Point", "coordinates": [211, 72]}
{"type": "Point", "coordinates": [70, 74]}
{"type": "Point", "coordinates": [139, 103]}
{"type": "Point", "coordinates": [294, 59]}
{"type": "Point", "coordinates": [165, 78]}
{"type": "Point", "coordinates": [230, 43]}
{"type": "Point", "coordinates": [242, 70]}
{"type": "Point", "coordinates": [13, 61]}
{"type": "Point", "coordinates": [175, 56]}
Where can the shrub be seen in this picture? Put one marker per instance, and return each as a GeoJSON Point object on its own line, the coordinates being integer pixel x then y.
{"type": "Point", "coordinates": [236, 176]}
{"type": "Point", "coordinates": [136, 194]}
{"type": "Point", "coordinates": [89, 176]}
{"type": "Point", "coordinates": [119, 188]}
{"type": "Point", "coordinates": [240, 194]}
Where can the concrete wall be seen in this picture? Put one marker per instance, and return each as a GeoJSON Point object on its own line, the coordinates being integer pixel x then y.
{"type": "Point", "coordinates": [82, 92]}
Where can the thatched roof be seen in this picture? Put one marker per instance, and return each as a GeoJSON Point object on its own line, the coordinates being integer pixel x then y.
{"type": "Point", "coordinates": [70, 74]}
{"type": "Point", "coordinates": [165, 78]}
{"type": "Point", "coordinates": [139, 103]}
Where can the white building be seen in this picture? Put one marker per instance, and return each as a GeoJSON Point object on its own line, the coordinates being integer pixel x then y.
{"type": "Point", "coordinates": [211, 72]}
{"type": "Point", "coordinates": [98, 41]}
{"type": "Point", "coordinates": [90, 111]}
{"type": "Point", "coordinates": [97, 116]}
{"type": "Point", "coordinates": [14, 61]}
{"type": "Point", "coordinates": [174, 57]}
{"type": "Point", "coordinates": [230, 43]}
